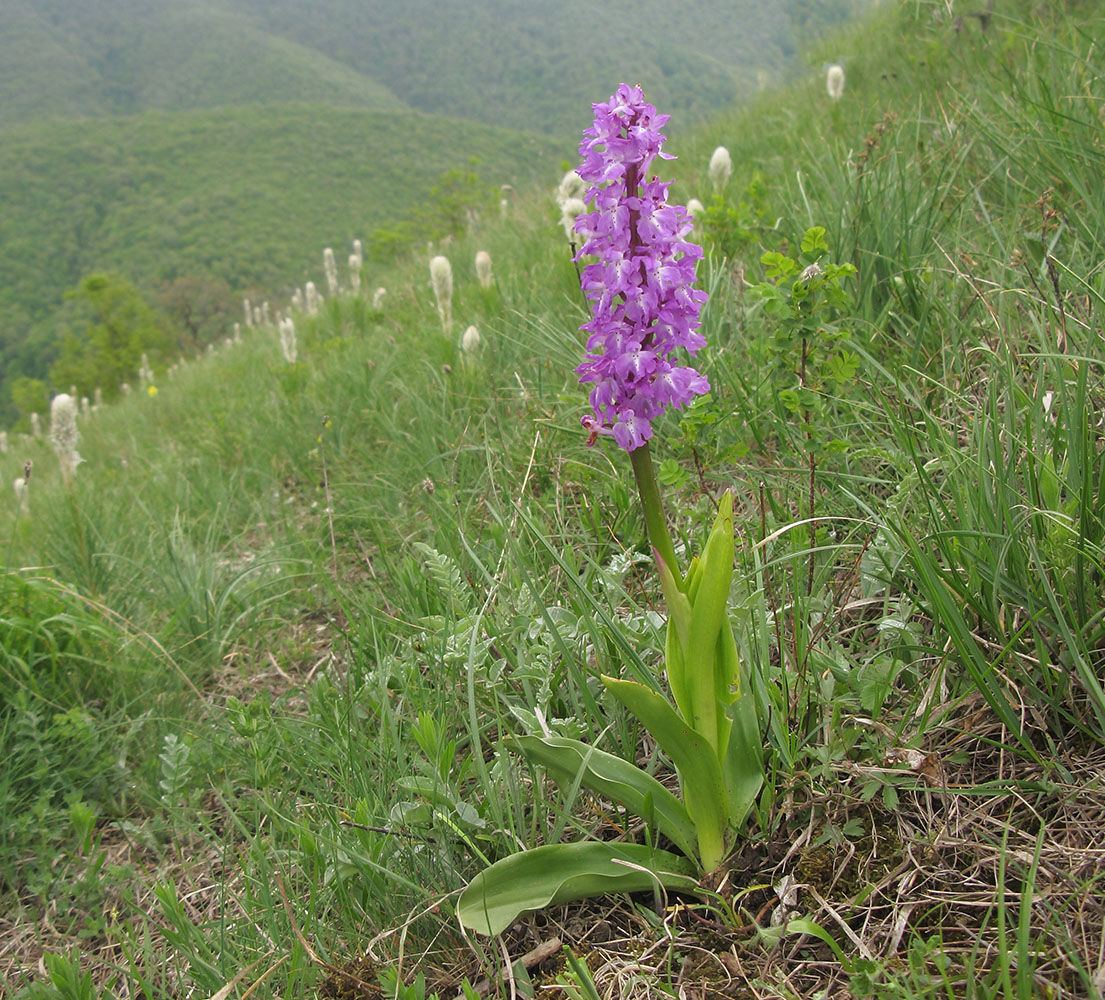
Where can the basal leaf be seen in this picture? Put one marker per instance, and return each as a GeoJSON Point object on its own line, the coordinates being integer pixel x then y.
{"type": "Point", "coordinates": [559, 873]}
{"type": "Point", "coordinates": [615, 778]}
{"type": "Point", "coordinates": [694, 759]}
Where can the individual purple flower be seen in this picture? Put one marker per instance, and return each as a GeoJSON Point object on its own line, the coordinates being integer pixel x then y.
{"type": "Point", "coordinates": [641, 287]}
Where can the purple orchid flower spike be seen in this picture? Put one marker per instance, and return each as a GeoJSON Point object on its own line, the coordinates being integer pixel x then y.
{"type": "Point", "coordinates": [641, 288]}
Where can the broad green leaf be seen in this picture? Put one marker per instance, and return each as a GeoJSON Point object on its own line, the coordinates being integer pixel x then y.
{"type": "Point", "coordinates": [679, 625]}
{"type": "Point", "coordinates": [676, 670]}
{"type": "Point", "coordinates": [559, 873]}
{"type": "Point", "coordinates": [411, 814]}
{"type": "Point", "coordinates": [709, 609]}
{"type": "Point", "coordinates": [692, 580]}
{"type": "Point", "coordinates": [813, 243]}
{"type": "Point", "coordinates": [679, 607]}
{"type": "Point", "coordinates": [699, 770]}
{"type": "Point", "coordinates": [743, 765]}
{"type": "Point", "coordinates": [566, 759]}
{"type": "Point", "coordinates": [727, 683]}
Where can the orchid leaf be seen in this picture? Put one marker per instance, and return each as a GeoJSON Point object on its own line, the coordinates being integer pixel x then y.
{"type": "Point", "coordinates": [679, 607]}
{"type": "Point", "coordinates": [743, 765]}
{"type": "Point", "coordinates": [727, 683]}
{"type": "Point", "coordinates": [694, 578]}
{"type": "Point", "coordinates": [676, 671]}
{"type": "Point", "coordinates": [709, 610]}
{"type": "Point", "coordinates": [694, 759]}
{"type": "Point", "coordinates": [679, 624]}
{"type": "Point", "coordinates": [625, 783]}
{"type": "Point", "coordinates": [559, 873]}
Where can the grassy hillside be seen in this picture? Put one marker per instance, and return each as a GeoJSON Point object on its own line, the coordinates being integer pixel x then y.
{"type": "Point", "coordinates": [262, 662]}
{"type": "Point", "coordinates": [247, 196]}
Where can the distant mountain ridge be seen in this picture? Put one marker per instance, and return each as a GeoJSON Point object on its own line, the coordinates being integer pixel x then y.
{"type": "Point", "coordinates": [63, 59]}
{"type": "Point", "coordinates": [524, 64]}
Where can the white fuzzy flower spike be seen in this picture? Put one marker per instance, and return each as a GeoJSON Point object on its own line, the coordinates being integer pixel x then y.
{"type": "Point", "coordinates": [21, 499]}
{"type": "Point", "coordinates": [470, 347]}
{"type": "Point", "coordinates": [571, 186]}
{"type": "Point", "coordinates": [721, 166]}
{"type": "Point", "coordinates": [834, 81]}
{"type": "Point", "coordinates": [441, 278]}
{"type": "Point", "coordinates": [288, 346]}
{"type": "Point", "coordinates": [330, 266]}
{"type": "Point", "coordinates": [483, 268]}
{"type": "Point", "coordinates": [355, 264]}
{"type": "Point", "coordinates": [64, 434]}
{"type": "Point", "coordinates": [568, 211]}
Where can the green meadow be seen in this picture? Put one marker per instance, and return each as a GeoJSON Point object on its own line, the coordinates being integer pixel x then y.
{"type": "Point", "coordinates": [263, 663]}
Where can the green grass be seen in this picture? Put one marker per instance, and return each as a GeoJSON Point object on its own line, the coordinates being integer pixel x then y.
{"type": "Point", "coordinates": [257, 665]}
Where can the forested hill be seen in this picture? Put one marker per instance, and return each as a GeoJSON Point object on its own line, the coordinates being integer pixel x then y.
{"type": "Point", "coordinates": [197, 208]}
{"type": "Point", "coordinates": [524, 64]}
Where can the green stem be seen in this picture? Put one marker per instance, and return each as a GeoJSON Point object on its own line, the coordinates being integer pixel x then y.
{"type": "Point", "coordinates": [658, 535]}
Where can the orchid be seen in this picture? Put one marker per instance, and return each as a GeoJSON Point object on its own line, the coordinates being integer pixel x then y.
{"type": "Point", "coordinates": [644, 305]}
{"type": "Point", "coordinates": [644, 310]}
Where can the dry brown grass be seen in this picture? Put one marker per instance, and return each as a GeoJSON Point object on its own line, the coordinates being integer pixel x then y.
{"type": "Point", "coordinates": [960, 844]}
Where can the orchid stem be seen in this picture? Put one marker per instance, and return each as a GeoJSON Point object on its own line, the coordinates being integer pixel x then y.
{"type": "Point", "coordinates": [656, 524]}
